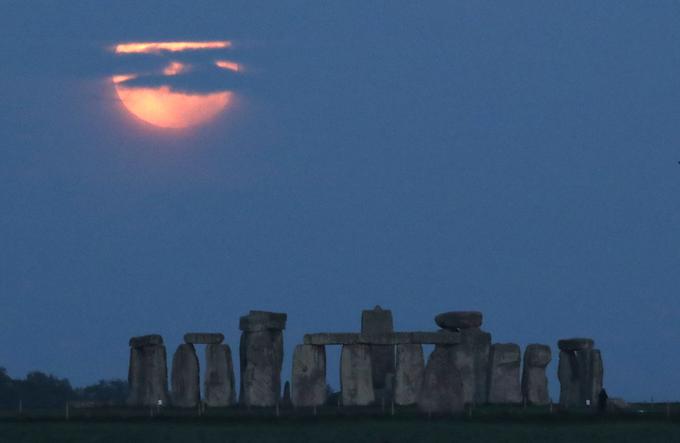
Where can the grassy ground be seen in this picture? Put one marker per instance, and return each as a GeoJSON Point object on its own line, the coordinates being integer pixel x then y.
{"type": "Point", "coordinates": [352, 430]}
{"type": "Point", "coordinates": [646, 423]}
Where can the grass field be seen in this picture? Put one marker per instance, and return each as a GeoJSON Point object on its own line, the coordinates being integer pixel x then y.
{"type": "Point", "coordinates": [342, 429]}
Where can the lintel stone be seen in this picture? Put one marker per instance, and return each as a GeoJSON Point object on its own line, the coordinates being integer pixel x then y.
{"type": "Point", "coordinates": [395, 338]}
{"type": "Point", "coordinates": [146, 340]}
{"type": "Point", "coordinates": [261, 321]}
{"type": "Point", "coordinates": [575, 344]}
{"type": "Point", "coordinates": [203, 338]}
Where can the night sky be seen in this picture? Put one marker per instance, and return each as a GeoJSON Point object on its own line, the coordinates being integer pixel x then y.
{"type": "Point", "coordinates": [517, 158]}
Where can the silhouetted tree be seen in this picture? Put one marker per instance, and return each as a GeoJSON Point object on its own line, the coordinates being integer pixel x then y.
{"type": "Point", "coordinates": [8, 391]}
{"type": "Point", "coordinates": [45, 391]}
{"type": "Point", "coordinates": [113, 392]}
{"type": "Point", "coordinates": [40, 390]}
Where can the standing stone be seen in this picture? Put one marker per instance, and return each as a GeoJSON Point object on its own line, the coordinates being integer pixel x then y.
{"type": "Point", "coordinates": [219, 376]}
{"type": "Point", "coordinates": [534, 380]}
{"type": "Point", "coordinates": [186, 392]}
{"type": "Point", "coordinates": [148, 373]}
{"type": "Point", "coordinates": [410, 372]}
{"type": "Point", "coordinates": [480, 342]}
{"type": "Point", "coordinates": [596, 377]}
{"type": "Point", "coordinates": [356, 378]}
{"type": "Point", "coordinates": [570, 382]}
{"type": "Point", "coordinates": [309, 376]}
{"type": "Point", "coordinates": [261, 354]}
{"type": "Point", "coordinates": [471, 356]}
{"type": "Point", "coordinates": [442, 389]}
{"type": "Point", "coordinates": [504, 381]}
{"type": "Point", "coordinates": [580, 372]}
{"type": "Point", "coordinates": [379, 321]}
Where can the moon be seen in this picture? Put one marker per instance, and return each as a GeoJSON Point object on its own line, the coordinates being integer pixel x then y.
{"type": "Point", "coordinates": [160, 105]}
{"type": "Point", "coordinates": [165, 108]}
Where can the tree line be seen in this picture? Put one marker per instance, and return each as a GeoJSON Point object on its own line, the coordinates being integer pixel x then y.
{"type": "Point", "coordinates": [40, 390]}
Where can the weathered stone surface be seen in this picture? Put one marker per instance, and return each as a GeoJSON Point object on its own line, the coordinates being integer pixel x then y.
{"type": "Point", "coordinates": [596, 376]}
{"type": "Point", "coordinates": [570, 382]}
{"type": "Point", "coordinates": [456, 320]}
{"type": "Point", "coordinates": [186, 391]}
{"type": "Point", "coordinates": [537, 355]}
{"type": "Point", "coordinates": [308, 386]}
{"type": "Point", "coordinates": [219, 376]}
{"type": "Point", "coordinates": [148, 376]}
{"type": "Point", "coordinates": [356, 378]}
{"type": "Point", "coordinates": [146, 340]}
{"type": "Point", "coordinates": [396, 338]}
{"type": "Point", "coordinates": [257, 321]}
{"type": "Point", "coordinates": [261, 359]}
{"type": "Point", "coordinates": [534, 380]}
{"type": "Point", "coordinates": [442, 389]}
{"type": "Point", "coordinates": [409, 375]}
{"type": "Point", "coordinates": [575, 344]}
{"type": "Point", "coordinates": [504, 381]}
{"type": "Point", "coordinates": [203, 338]}
{"type": "Point", "coordinates": [580, 374]}
{"type": "Point", "coordinates": [471, 358]}
{"type": "Point", "coordinates": [375, 322]}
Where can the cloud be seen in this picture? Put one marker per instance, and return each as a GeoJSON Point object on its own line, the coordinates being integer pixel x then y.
{"type": "Point", "coordinates": [204, 80]}
{"type": "Point", "coordinates": [189, 67]}
{"type": "Point", "coordinates": [169, 46]}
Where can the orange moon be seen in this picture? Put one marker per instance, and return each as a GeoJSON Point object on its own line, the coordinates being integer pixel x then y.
{"type": "Point", "coordinates": [160, 105]}
{"type": "Point", "coordinates": [169, 109]}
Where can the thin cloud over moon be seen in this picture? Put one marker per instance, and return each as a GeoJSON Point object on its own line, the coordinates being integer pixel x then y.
{"type": "Point", "coordinates": [164, 97]}
{"type": "Point", "coordinates": [156, 47]}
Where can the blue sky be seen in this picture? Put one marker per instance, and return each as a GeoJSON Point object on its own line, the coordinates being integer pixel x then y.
{"type": "Point", "coordinates": [519, 158]}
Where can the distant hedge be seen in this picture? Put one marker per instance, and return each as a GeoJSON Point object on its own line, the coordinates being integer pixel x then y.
{"type": "Point", "coordinates": [40, 390]}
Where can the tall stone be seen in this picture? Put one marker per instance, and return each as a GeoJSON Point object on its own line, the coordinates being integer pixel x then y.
{"type": "Point", "coordinates": [356, 378]}
{"type": "Point", "coordinates": [219, 376]}
{"type": "Point", "coordinates": [534, 380]}
{"type": "Point", "coordinates": [471, 357]}
{"type": "Point", "coordinates": [596, 377]}
{"type": "Point", "coordinates": [504, 381]}
{"type": "Point", "coordinates": [186, 392]}
{"type": "Point", "coordinates": [379, 321]}
{"type": "Point", "coordinates": [442, 388]}
{"type": "Point", "coordinates": [570, 381]}
{"type": "Point", "coordinates": [580, 372]}
{"type": "Point", "coordinates": [308, 387]}
{"type": "Point", "coordinates": [410, 372]}
{"type": "Point", "coordinates": [261, 353]}
{"type": "Point", "coordinates": [148, 372]}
